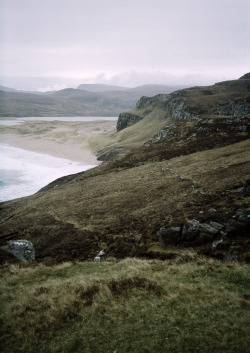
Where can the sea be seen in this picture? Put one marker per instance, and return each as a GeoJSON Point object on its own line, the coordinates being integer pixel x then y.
{"type": "Point", "coordinates": [23, 173]}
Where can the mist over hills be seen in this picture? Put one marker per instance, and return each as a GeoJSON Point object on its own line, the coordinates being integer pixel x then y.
{"type": "Point", "coordinates": [86, 100]}
{"type": "Point", "coordinates": [100, 87]}
{"type": "Point", "coordinates": [7, 89]}
{"type": "Point", "coordinates": [149, 89]}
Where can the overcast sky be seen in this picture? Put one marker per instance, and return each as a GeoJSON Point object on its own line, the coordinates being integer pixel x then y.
{"type": "Point", "coordinates": [52, 44]}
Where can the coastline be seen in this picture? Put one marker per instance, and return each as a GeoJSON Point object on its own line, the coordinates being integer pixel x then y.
{"type": "Point", "coordinates": [69, 140]}
{"type": "Point", "coordinates": [75, 152]}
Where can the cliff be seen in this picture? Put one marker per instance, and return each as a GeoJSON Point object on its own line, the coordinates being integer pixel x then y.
{"type": "Point", "coordinates": [194, 102]}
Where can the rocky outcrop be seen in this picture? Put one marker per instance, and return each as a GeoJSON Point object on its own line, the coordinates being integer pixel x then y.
{"type": "Point", "coordinates": [164, 133]}
{"type": "Point", "coordinates": [145, 102]}
{"type": "Point", "coordinates": [23, 250]}
{"type": "Point", "coordinates": [191, 233]}
{"type": "Point", "coordinates": [203, 126]}
{"type": "Point", "coordinates": [195, 233]}
{"type": "Point", "coordinates": [126, 120]}
{"type": "Point", "coordinates": [228, 98]}
{"type": "Point", "coordinates": [234, 108]}
{"type": "Point", "coordinates": [174, 105]}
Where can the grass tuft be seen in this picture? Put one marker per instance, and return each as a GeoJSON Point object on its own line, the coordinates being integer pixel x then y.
{"type": "Point", "coordinates": [194, 305]}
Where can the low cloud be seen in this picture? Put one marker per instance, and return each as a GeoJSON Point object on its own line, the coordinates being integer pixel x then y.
{"type": "Point", "coordinates": [55, 87]}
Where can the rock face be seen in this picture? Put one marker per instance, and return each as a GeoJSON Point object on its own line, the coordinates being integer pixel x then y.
{"type": "Point", "coordinates": [23, 250]}
{"type": "Point", "coordinates": [127, 119]}
{"type": "Point", "coordinates": [190, 104]}
{"type": "Point", "coordinates": [189, 234]}
{"type": "Point", "coordinates": [196, 233]}
{"type": "Point", "coordinates": [174, 105]}
{"type": "Point", "coordinates": [164, 133]}
{"type": "Point", "coordinates": [234, 108]}
{"type": "Point", "coordinates": [204, 126]}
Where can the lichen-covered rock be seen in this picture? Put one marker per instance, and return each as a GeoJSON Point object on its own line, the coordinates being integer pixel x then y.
{"type": "Point", "coordinates": [126, 120]}
{"type": "Point", "coordinates": [208, 229]}
{"type": "Point", "coordinates": [194, 233]}
{"type": "Point", "coordinates": [217, 225]}
{"type": "Point", "coordinates": [216, 243]}
{"type": "Point", "coordinates": [234, 108]}
{"type": "Point", "coordinates": [164, 133]}
{"type": "Point", "coordinates": [174, 106]}
{"type": "Point", "coordinates": [23, 250]}
{"type": "Point", "coordinates": [145, 102]}
{"type": "Point", "coordinates": [191, 233]}
{"type": "Point", "coordinates": [190, 230]}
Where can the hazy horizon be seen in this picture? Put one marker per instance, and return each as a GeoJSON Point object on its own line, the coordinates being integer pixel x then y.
{"type": "Point", "coordinates": [46, 84]}
{"type": "Point", "coordinates": [51, 45]}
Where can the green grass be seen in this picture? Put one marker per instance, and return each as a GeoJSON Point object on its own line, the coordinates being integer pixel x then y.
{"type": "Point", "coordinates": [133, 136]}
{"type": "Point", "coordinates": [199, 305]}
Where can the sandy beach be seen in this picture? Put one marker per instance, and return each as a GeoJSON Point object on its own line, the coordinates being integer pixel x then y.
{"type": "Point", "coordinates": [70, 140]}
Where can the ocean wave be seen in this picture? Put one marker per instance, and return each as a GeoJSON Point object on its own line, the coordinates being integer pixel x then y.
{"type": "Point", "coordinates": [23, 173]}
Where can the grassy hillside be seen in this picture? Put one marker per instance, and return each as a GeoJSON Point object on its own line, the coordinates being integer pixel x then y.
{"type": "Point", "coordinates": [186, 162]}
{"type": "Point", "coordinates": [123, 204]}
{"type": "Point", "coordinates": [198, 108]}
{"type": "Point", "coordinates": [190, 304]}
{"type": "Point", "coordinates": [163, 172]}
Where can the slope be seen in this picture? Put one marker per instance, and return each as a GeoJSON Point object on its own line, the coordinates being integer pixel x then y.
{"type": "Point", "coordinates": [197, 166]}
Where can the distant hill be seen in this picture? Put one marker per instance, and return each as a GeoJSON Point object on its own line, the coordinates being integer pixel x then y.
{"type": "Point", "coordinates": [7, 89]}
{"type": "Point", "coordinates": [148, 90]}
{"type": "Point", "coordinates": [100, 88]}
{"type": "Point", "coordinates": [93, 100]}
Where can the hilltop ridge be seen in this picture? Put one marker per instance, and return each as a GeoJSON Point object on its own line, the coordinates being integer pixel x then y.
{"type": "Point", "coordinates": [223, 98]}
{"type": "Point", "coordinates": [86, 100]}
{"type": "Point", "coordinates": [160, 115]}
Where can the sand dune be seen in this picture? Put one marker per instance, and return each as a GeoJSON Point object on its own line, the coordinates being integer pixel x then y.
{"type": "Point", "coordinates": [68, 140]}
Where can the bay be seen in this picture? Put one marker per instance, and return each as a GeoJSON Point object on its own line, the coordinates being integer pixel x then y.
{"type": "Point", "coordinates": [23, 173]}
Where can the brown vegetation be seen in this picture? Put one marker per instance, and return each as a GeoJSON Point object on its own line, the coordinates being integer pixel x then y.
{"type": "Point", "coordinates": [122, 204]}
{"type": "Point", "coordinates": [190, 304]}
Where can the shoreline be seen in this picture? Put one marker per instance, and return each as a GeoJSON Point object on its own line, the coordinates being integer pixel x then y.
{"type": "Point", "coordinates": [25, 172]}
{"type": "Point", "coordinates": [75, 153]}
{"type": "Point", "coordinates": [66, 140]}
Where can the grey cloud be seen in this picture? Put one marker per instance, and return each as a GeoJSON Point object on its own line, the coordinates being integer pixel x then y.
{"type": "Point", "coordinates": [82, 39]}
